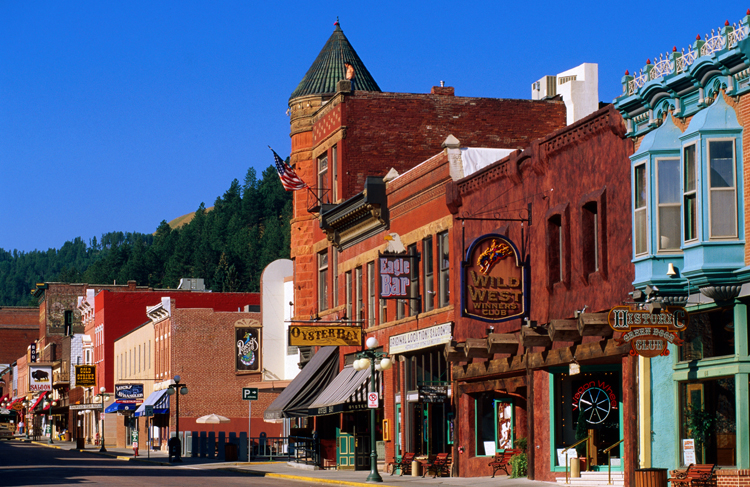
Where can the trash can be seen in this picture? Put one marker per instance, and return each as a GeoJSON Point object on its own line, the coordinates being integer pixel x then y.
{"type": "Point", "coordinates": [230, 452]}
{"type": "Point", "coordinates": [651, 477]}
{"type": "Point", "coordinates": [80, 443]}
{"type": "Point", "coordinates": [415, 469]}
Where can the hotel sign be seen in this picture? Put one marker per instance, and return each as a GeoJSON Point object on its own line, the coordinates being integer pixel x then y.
{"type": "Point", "coordinates": [320, 335]}
{"type": "Point", "coordinates": [648, 332]}
{"type": "Point", "coordinates": [492, 282]}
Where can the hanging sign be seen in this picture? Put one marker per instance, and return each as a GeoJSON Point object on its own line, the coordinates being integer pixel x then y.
{"type": "Point", "coordinates": [324, 335]}
{"type": "Point", "coordinates": [395, 272]}
{"type": "Point", "coordinates": [85, 375]}
{"type": "Point", "coordinates": [648, 332]}
{"type": "Point", "coordinates": [40, 378]}
{"type": "Point", "coordinates": [492, 282]}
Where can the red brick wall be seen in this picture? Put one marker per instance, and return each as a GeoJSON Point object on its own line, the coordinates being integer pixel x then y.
{"type": "Point", "coordinates": [203, 355]}
{"type": "Point", "coordinates": [18, 329]}
{"type": "Point", "coordinates": [732, 478]}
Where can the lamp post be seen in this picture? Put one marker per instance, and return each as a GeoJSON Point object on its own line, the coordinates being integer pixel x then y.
{"type": "Point", "coordinates": [366, 358]}
{"type": "Point", "coordinates": [103, 396]}
{"type": "Point", "coordinates": [49, 418]}
{"type": "Point", "coordinates": [26, 405]}
{"type": "Point", "coordinates": [183, 391]}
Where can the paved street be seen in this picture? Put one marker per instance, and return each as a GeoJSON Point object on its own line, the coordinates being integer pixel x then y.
{"type": "Point", "coordinates": [31, 463]}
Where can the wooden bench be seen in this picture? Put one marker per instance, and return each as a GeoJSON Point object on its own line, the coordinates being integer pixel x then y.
{"type": "Point", "coordinates": [439, 464]}
{"type": "Point", "coordinates": [502, 460]}
{"type": "Point", "coordinates": [403, 465]}
{"type": "Point", "coordinates": [701, 475]}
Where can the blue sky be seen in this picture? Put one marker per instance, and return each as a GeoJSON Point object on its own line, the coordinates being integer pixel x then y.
{"type": "Point", "coordinates": [117, 115]}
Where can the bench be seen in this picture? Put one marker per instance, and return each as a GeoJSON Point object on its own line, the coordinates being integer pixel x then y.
{"type": "Point", "coordinates": [502, 460]}
{"type": "Point", "coordinates": [701, 475]}
{"type": "Point", "coordinates": [439, 464]}
{"type": "Point", "coordinates": [403, 465]}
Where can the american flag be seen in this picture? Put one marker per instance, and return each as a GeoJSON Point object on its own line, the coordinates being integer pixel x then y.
{"type": "Point", "coordinates": [289, 178]}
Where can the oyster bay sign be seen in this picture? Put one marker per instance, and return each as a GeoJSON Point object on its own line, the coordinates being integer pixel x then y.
{"type": "Point", "coordinates": [648, 331]}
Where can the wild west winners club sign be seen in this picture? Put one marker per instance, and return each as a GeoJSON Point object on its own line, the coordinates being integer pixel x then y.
{"type": "Point", "coordinates": [647, 331]}
{"type": "Point", "coordinates": [492, 287]}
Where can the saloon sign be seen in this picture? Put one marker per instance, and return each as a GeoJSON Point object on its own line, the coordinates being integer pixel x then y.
{"type": "Point", "coordinates": [492, 287]}
{"type": "Point", "coordinates": [648, 332]}
{"type": "Point", "coordinates": [40, 378]}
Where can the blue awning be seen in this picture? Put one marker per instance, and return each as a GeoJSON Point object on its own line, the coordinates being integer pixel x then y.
{"type": "Point", "coordinates": [158, 399]}
{"type": "Point", "coordinates": [121, 406]}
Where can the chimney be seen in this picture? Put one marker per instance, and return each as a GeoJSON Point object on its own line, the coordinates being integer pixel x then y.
{"type": "Point", "coordinates": [442, 90]}
{"type": "Point", "coordinates": [131, 285]}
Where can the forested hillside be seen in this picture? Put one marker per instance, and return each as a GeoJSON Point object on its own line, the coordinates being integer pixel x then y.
{"type": "Point", "coordinates": [228, 247]}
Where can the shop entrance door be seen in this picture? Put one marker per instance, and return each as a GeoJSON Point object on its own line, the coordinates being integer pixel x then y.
{"type": "Point", "coordinates": [345, 453]}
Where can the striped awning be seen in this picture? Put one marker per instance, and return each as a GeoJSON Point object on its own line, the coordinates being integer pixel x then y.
{"type": "Point", "coordinates": [158, 399]}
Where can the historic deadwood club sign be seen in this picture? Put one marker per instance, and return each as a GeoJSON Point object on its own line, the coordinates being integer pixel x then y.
{"type": "Point", "coordinates": [648, 332]}
{"type": "Point", "coordinates": [320, 335]}
{"type": "Point", "coordinates": [247, 350]}
{"type": "Point", "coordinates": [492, 287]}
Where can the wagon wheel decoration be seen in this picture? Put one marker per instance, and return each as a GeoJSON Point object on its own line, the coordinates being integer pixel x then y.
{"type": "Point", "coordinates": [595, 405]}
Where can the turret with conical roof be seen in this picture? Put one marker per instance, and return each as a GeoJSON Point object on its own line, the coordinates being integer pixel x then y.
{"type": "Point", "coordinates": [328, 68]}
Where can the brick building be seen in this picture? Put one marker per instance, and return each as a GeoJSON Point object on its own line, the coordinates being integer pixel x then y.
{"type": "Point", "coordinates": [19, 327]}
{"type": "Point", "coordinates": [433, 205]}
{"type": "Point", "coordinates": [575, 246]}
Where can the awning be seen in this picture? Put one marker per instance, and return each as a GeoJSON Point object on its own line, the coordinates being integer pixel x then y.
{"type": "Point", "coordinates": [158, 399]}
{"type": "Point", "coordinates": [347, 392]}
{"type": "Point", "coordinates": [294, 401]}
{"type": "Point", "coordinates": [38, 400]}
{"type": "Point", "coordinates": [121, 406]}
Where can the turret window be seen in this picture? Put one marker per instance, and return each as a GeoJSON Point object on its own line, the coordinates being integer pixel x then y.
{"type": "Point", "coordinates": [690, 208]}
{"type": "Point", "coordinates": [668, 198]}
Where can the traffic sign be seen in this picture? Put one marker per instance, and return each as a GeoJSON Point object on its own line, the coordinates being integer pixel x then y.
{"type": "Point", "coordinates": [250, 393]}
{"type": "Point", "coordinates": [372, 400]}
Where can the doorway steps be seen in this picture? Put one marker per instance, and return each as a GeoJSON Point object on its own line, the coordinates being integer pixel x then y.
{"type": "Point", "coordinates": [593, 479]}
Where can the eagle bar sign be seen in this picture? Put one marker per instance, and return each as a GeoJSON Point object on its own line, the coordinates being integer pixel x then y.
{"type": "Point", "coordinates": [323, 335]}
{"type": "Point", "coordinates": [396, 272]}
{"type": "Point", "coordinates": [492, 282]}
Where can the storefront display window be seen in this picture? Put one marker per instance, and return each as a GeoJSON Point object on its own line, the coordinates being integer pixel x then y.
{"type": "Point", "coordinates": [708, 416]}
{"type": "Point", "coordinates": [494, 423]}
{"type": "Point", "coordinates": [709, 334]}
{"type": "Point", "coordinates": [587, 404]}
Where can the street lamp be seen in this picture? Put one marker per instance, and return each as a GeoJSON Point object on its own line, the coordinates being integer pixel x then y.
{"type": "Point", "coordinates": [103, 396]}
{"type": "Point", "coordinates": [49, 417]}
{"type": "Point", "coordinates": [26, 405]}
{"type": "Point", "coordinates": [366, 358]}
{"type": "Point", "coordinates": [183, 391]}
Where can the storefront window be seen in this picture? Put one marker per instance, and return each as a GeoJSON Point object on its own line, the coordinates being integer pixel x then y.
{"type": "Point", "coordinates": [708, 417]}
{"type": "Point", "coordinates": [709, 334]}
{"type": "Point", "coordinates": [494, 423]}
{"type": "Point", "coordinates": [587, 405]}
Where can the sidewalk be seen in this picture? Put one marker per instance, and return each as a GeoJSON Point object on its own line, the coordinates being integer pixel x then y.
{"type": "Point", "coordinates": [282, 470]}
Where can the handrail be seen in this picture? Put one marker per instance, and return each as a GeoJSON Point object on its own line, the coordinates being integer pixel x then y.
{"type": "Point", "coordinates": [606, 450]}
{"type": "Point", "coordinates": [609, 460]}
{"type": "Point", "coordinates": [573, 446]}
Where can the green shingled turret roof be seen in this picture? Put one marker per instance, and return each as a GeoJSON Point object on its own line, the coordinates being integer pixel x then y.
{"type": "Point", "coordinates": [328, 68]}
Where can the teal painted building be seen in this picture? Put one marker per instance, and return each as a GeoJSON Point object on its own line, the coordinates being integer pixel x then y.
{"type": "Point", "coordinates": [687, 116]}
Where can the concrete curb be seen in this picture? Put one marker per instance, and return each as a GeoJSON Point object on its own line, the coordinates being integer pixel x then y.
{"type": "Point", "coordinates": [303, 478]}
